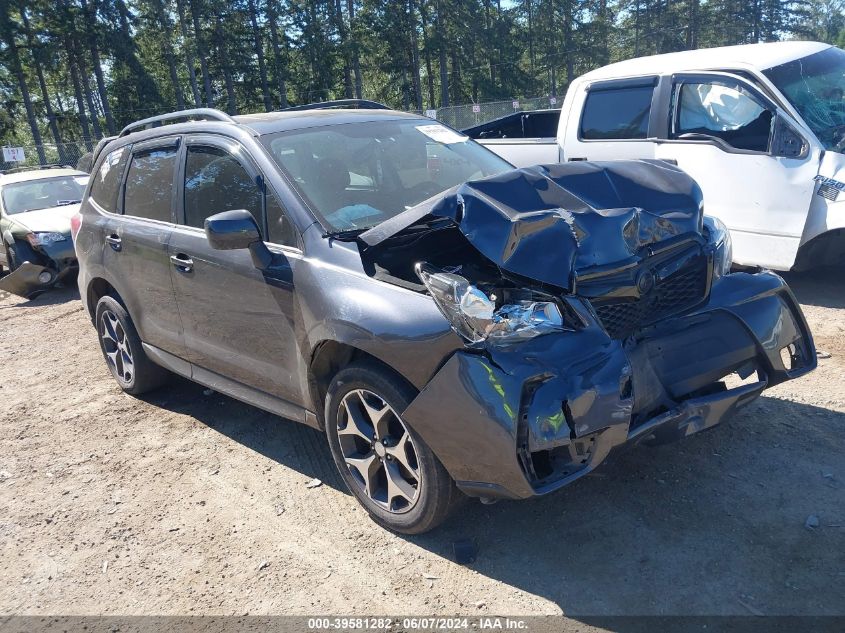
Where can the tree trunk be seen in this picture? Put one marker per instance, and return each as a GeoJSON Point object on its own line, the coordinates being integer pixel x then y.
{"type": "Point", "coordinates": [220, 43]}
{"type": "Point", "coordinates": [441, 54]}
{"type": "Point", "coordinates": [278, 59]}
{"type": "Point", "coordinates": [340, 26]}
{"type": "Point", "coordinates": [86, 88]}
{"type": "Point", "coordinates": [77, 91]}
{"type": "Point", "coordinates": [356, 61]}
{"type": "Point", "coordinates": [189, 55]}
{"type": "Point", "coordinates": [206, 78]}
{"type": "Point", "coordinates": [259, 51]}
{"type": "Point", "coordinates": [414, 54]}
{"type": "Point", "coordinates": [427, 54]}
{"type": "Point", "coordinates": [17, 71]}
{"type": "Point", "coordinates": [42, 84]}
{"type": "Point", "coordinates": [166, 29]}
{"type": "Point", "coordinates": [90, 21]}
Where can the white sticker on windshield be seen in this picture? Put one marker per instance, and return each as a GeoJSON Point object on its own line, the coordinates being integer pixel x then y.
{"type": "Point", "coordinates": [81, 180]}
{"type": "Point", "coordinates": [442, 134]}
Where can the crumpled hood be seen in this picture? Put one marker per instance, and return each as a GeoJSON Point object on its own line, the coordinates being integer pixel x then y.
{"type": "Point", "coordinates": [547, 221]}
{"type": "Point", "coordinates": [52, 220]}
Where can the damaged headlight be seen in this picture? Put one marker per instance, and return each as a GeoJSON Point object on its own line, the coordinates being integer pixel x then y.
{"type": "Point", "coordinates": [45, 239]}
{"type": "Point", "coordinates": [475, 317]}
{"type": "Point", "coordinates": [720, 239]}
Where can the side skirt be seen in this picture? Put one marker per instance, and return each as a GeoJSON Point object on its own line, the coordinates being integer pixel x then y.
{"type": "Point", "coordinates": [231, 388]}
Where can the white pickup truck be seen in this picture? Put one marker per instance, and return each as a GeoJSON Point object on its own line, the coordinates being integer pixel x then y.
{"type": "Point", "coordinates": [761, 127]}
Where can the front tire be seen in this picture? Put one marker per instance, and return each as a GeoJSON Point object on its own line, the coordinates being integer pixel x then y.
{"type": "Point", "coordinates": [18, 253]}
{"type": "Point", "coordinates": [385, 465]}
{"type": "Point", "coordinates": [122, 350]}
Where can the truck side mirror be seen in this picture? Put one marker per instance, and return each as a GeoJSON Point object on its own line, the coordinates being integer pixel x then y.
{"type": "Point", "coordinates": [786, 141]}
{"type": "Point", "coordinates": [234, 230]}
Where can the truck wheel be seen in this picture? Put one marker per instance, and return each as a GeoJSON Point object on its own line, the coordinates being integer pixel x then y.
{"type": "Point", "coordinates": [386, 466]}
{"type": "Point", "coordinates": [121, 346]}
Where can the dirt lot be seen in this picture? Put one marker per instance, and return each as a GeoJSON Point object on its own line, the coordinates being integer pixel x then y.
{"type": "Point", "coordinates": [186, 503]}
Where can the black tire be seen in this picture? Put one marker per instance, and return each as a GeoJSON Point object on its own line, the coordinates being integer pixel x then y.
{"type": "Point", "coordinates": [138, 375]}
{"type": "Point", "coordinates": [435, 491]}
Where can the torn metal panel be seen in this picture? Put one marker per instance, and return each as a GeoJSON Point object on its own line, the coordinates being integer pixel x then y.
{"type": "Point", "coordinates": [539, 415]}
{"type": "Point", "coordinates": [547, 221]}
{"type": "Point", "coordinates": [28, 280]}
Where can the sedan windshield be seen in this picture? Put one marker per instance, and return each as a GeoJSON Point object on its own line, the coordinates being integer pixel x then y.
{"type": "Point", "coordinates": [357, 175]}
{"type": "Point", "coordinates": [31, 195]}
{"type": "Point", "coordinates": [815, 86]}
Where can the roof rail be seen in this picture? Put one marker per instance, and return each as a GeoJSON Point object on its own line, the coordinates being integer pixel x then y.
{"type": "Point", "coordinates": [202, 114]}
{"type": "Point", "coordinates": [363, 104]}
{"type": "Point", "coordinates": [18, 170]}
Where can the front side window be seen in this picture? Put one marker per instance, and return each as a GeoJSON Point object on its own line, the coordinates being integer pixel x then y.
{"type": "Point", "coordinates": [815, 86]}
{"type": "Point", "coordinates": [723, 112]}
{"type": "Point", "coordinates": [617, 113]}
{"type": "Point", "coordinates": [357, 175]}
{"type": "Point", "coordinates": [149, 184]}
{"type": "Point", "coordinates": [44, 193]}
{"type": "Point", "coordinates": [106, 183]}
{"type": "Point", "coordinates": [216, 181]}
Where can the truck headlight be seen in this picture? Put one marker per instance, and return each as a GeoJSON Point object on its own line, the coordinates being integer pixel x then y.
{"type": "Point", "coordinates": [43, 239]}
{"type": "Point", "coordinates": [720, 239]}
{"type": "Point", "coordinates": [475, 317]}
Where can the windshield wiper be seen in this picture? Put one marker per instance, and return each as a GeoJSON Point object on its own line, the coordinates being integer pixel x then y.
{"type": "Point", "coordinates": [346, 234]}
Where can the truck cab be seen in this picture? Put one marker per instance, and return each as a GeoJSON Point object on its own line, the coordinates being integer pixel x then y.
{"type": "Point", "coordinates": [760, 127]}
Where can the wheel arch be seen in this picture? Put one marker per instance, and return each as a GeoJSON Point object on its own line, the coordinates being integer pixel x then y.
{"type": "Point", "coordinates": [98, 288]}
{"type": "Point", "coordinates": [327, 359]}
{"type": "Point", "coordinates": [826, 249]}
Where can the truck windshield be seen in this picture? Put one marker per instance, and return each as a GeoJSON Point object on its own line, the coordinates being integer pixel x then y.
{"type": "Point", "coordinates": [45, 193]}
{"type": "Point", "coordinates": [357, 175]}
{"type": "Point", "coordinates": [815, 86]}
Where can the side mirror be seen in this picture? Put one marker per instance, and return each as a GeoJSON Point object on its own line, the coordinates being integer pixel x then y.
{"type": "Point", "coordinates": [786, 141]}
{"type": "Point", "coordinates": [234, 230]}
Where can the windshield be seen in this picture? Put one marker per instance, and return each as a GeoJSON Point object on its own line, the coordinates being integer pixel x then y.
{"type": "Point", "coordinates": [357, 175]}
{"type": "Point", "coordinates": [31, 195]}
{"type": "Point", "coordinates": [815, 86]}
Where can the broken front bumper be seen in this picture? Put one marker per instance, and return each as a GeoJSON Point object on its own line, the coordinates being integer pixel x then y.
{"type": "Point", "coordinates": [54, 262]}
{"type": "Point", "coordinates": [526, 420]}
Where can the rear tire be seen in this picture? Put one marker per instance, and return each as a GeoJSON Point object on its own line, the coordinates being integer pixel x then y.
{"type": "Point", "coordinates": [122, 349]}
{"type": "Point", "coordinates": [383, 462]}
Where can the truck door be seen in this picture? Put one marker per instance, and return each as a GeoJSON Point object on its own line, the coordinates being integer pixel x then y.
{"type": "Point", "coordinates": [755, 169]}
{"type": "Point", "coordinates": [611, 119]}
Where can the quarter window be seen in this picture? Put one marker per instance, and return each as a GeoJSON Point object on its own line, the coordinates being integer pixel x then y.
{"type": "Point", "coordinates": [149, 184]}
{"type": "Point", "coordinates": [106, 183]}
{"type": "Point", "coordinates": [215, 181]}
{"type": "Point", "coordinates": [617, 113]}
{"type": "Point", "coordinates": [723, 112]}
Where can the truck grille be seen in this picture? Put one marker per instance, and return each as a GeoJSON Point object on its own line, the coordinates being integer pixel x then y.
{"type": "Point", "coordinates": [674, 294]}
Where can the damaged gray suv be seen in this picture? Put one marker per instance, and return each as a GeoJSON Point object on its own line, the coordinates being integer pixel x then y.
{"type": "Point", "coordinates": [455, 325]}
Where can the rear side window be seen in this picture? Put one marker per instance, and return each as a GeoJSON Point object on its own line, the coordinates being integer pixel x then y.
{"type": "Point", "coordinates": [106, 183]}
{"type": "Point", "coordinates": [216, 181]}
{"type": "Point", "coordinates": [617, 113]}
{"type": "Point", "coordinates": [149, 184]}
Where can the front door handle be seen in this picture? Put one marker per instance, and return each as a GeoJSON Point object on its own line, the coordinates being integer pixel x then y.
{"type": "Point", "coordinates": [182, 262]}
{"type": "Point", "coordinates": [114, 241]}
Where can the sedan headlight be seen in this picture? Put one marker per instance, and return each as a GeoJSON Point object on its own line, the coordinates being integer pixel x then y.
{"type": "Point", "coordinates": [475, 317]}
{"type": "Point", "coordinates": [720, 238]}
{"type": "Point", "coordinates": [44, 239]}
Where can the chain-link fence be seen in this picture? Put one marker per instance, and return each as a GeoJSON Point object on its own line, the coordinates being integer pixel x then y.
{"type": "Point", "coordinates": [47, 154]}
{"type": "Point", "coordinates": [459, 117]}
{"type": "Point", "coordinates": [468, 115]}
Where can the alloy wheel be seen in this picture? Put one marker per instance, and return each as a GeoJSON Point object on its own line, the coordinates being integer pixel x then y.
{"type": "Point", "coordinates": [116, 347]}
{"type": "Point", "coordinates": [378, 450]}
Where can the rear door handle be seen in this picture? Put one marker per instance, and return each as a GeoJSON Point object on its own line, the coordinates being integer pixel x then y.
{"type": "Point", "coordinates": [114, 241]}
{"type": "Point", "coordinates": [182, 262]}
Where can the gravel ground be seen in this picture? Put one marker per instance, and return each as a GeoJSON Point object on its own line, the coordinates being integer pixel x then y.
{"type": "Point", "coordinates": [187, 503]}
